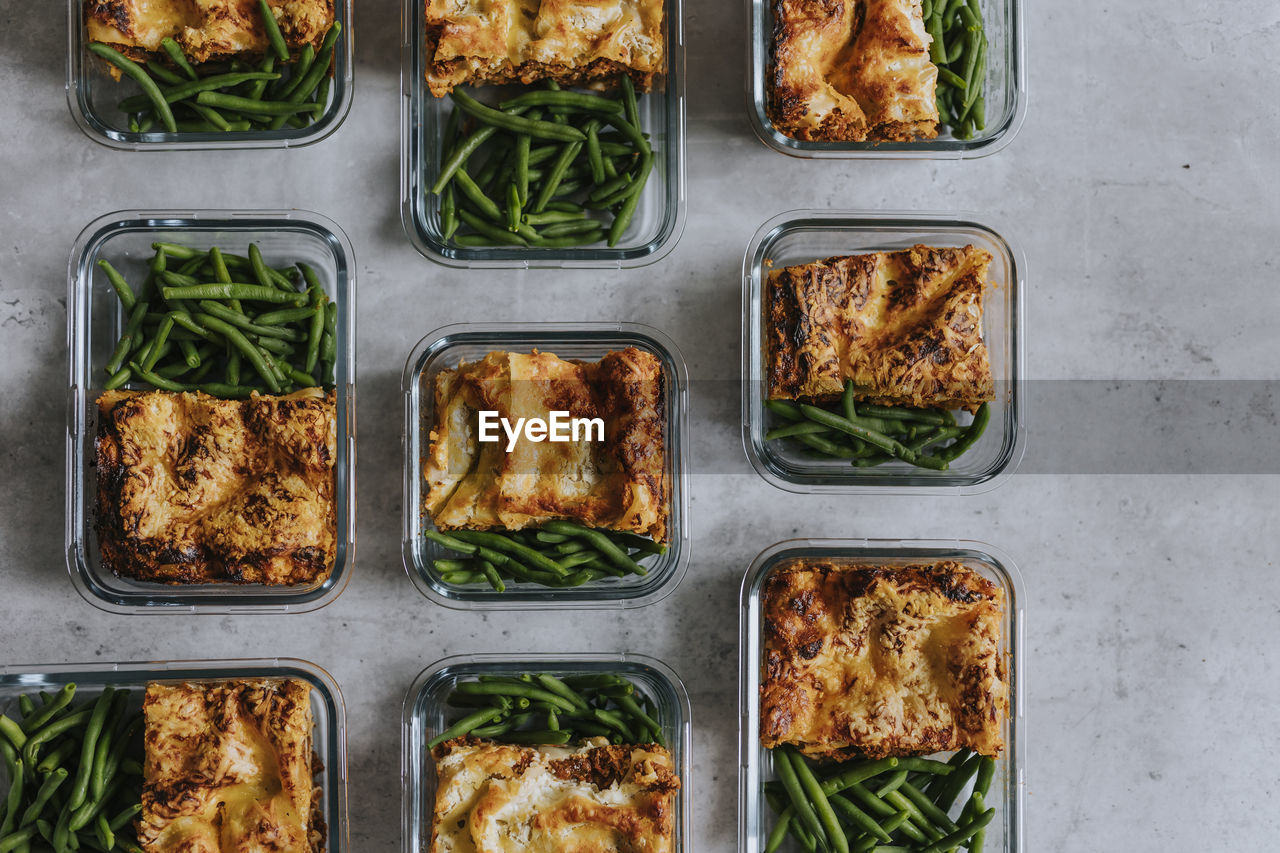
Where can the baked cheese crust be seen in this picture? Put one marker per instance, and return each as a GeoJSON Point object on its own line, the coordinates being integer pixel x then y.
{"type": "Point", "coordinates": [619, 483]}
{"type": "Point", "coordinates": [194, 489]}
{"type": "Point", "coordinates": [876, 661]}
{"type": "Point", "coordinates": [852, 71]}
{"type": "Point", "coordinates": [905, 326]}
{"type": "Point", "coordinates": [229, 769]}
{"type": "Point", "coordinates": [520, 41]}
{"type": "Point", "coordinates": [205, 29]}
{"type": "Point", "coordinates": [495, 798]}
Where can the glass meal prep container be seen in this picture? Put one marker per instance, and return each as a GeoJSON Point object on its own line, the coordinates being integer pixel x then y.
{"type": "Point", "coordinates": [755, 817]}
{"type": "Point", "coordinates": [95, 319]}
{"type": "Point", "coordinates": [93, 94]}
{"type": "Point", "coordinates": [804, 236]}
{"type": "Point", "coordinates": [445, 348]}
{"type": "Point", "coordinates": [329, 735]}
{"type": "Point", "coordinates": [659, 217]}
{"type": "Point", "coordinates": [426, 714]}
{"type": "Point", "coordinates": [1005, 91]}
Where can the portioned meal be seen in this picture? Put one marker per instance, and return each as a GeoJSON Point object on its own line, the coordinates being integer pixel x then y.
{"type": "Point", "coordinates": [229, 767]}
{"type": "Point", "coordinates": [505, 797]}
{"type": "Point", "coordinates": [905, 327]}
{"type": "Point", "coordinates": [876, 70]}
{"type": "Point", "coordinates": [521, 41]}
{"type": "Point", "coordinates": [610, 473]}
{"type": "Point", "coordinates": [205, 30]}
{"type": "Point", "coordinates": [196, 489]}
{"type": "Point", "coordinates": [877, 661]}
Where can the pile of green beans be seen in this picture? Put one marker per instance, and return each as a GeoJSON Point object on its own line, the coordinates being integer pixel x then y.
{"type": "Point", "coordinates": [195, 324]}
{"type": "Point", "coordinates": [546, 160]}
{"type": "Point", "coordinates": [557, 554]}
{"type": "Point", "coordinates": [539, 708]}
{"type": "Point", "coordinates": [959, 50]}
{"type": "Point", "coordinates": [889, 805]}
{"type": "Point", "coordinates": [180, 98]}
{"type": "Point", "coordinates": [74, 773]}
{"type": "Point", "coordinates": [869, 435]}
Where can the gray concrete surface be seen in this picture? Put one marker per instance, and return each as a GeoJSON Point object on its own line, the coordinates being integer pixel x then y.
{"type": "Point", "coordinates": [1143, 188]}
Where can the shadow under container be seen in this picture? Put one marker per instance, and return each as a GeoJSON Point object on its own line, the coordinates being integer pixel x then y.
{"type": "Point", "coordinates": [755, 768]}
{"type": "Point", "coordinates": [444, 349]}
{"type": "Point", "coordinates": [426, 714]}
{"type": "Point", "coordinates": [659, 217]}
{"type": "Point", "coordinates": [93, 94]}
{"type": "Point", "coordinates": [804, 236]}
{"type": "Point", "coordinates": [329, 732]}
{"type": "Point", "coordinates": [95, 320]}
{"type": "Point", "coordinates": [1005, 91]}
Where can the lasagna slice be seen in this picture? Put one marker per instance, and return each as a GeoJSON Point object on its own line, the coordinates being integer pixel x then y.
{"type": "Point", "coordinates": [205, 29]}
{"type": "Point", "coordinates": [877, 661]}
{"type": "Point", "coordinates": [852, 71]}
{"type": "Point", "coordinates": [494, 797]}
{"type": "Point", "coordinates": [229, 768]}
{"type": "Point", "coordinates": [195, 489]}
{"type": "Point", "coordinates": [573, 42]}
{"type": "Point", "coordinates": [619, 482]}
{"type": "Point", "coordinates": [905, 326]}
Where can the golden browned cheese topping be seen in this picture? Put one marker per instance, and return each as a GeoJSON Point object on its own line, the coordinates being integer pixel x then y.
{"type": "Point", "coordinates": [852, 71]}
{"type": "Point", "coordinates": [229, 769]}
{"type": "Point", "coordinates": [194, 489]}
{"type": "Point", "coordinates": [500, 798]}
{"type": "Point", "coordinates": [618, 483]}
{"type": "Point", "coordinates": [519, 41]}
{"type": "Point", "coordinates": [205, 29]}
{"type": "Point", "coordinates": [905, 326]}
{"type": "Point", "coordinates": [877, 661]}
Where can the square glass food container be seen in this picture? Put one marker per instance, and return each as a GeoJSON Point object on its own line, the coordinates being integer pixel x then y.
{"type": "Point", "coordinates": [1005, 91]}
{"type": "Point", "coordinates": [94, 322]}
{"type": "Point", "coordinates": [659, 217]}
{"type": "Point", "coordinates": [755, 818]}
{"type": "Point", "coordinates": [426, 714]}
{"type": "Point", "coordinates": [445, 348]}
{"type": "Point", "coordinates": [92, 95]}
{"type": "Point", "coordinates": [803, 236]}
{"type": "Point", "coordinates": [329, 735]}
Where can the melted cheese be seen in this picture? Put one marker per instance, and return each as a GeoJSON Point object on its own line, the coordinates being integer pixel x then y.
{"type": "Point", "coordinates": [906, 327]}
{"type": "Point", "coordinates": [619, 483]}
{"type": "Point", "coordinates": [572, 41]}
{"type": "Point", "coordinates": [193, 489]}
{"type": "Point", "coordinates": [228, 769]}
{"type": "Point", "coordinates": [498, 798]}
{"type": "Point", "coordinates": [878, 661]}
{"type": "Point", "coordinates": [852, 70]}
{"type": "Point", "coordinates": [205, 29]}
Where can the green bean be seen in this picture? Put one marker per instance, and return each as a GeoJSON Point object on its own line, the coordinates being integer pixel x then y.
{"type": "Point", "coordinates": [14, 798]}
{"type": "Point", "coordinates": [483, 688]}
{"type": "Point", "coordinates": [139, 76]}
{"type": "Point", "coordinates": [974, 432]}
{"type": "Point", "coordinates": [122, 289]}
{"type": "Point", "coordinates": [555, 685]}
{"type": "Point", "coordinates": [599, 541]}
{"type": "Point", "coordinates": [797, 429]}
{"type": "Point", "coordinates": [633, 708]}
{"type": "Point", "coordinates": [305, 62]}
{"type": "Point", "coordinates": [927, 807]}
{"type": "Point", "coordinates": [466, 724]}
{"type": "Point", "coordinates": [872, 437]}
{"type": "Point", "coordinates": [462, 180]}
{"type": "Point", "coordinates": [80, 788]}
{"type": "Point", "coordinates": [51, 783]}
{"type": "Point", "coordinates": [514, 122]}
{"type": "Point", "coordinates": [16, 840]}
{"type": "Point", "coordinates": [894, 781]}
{"type": "Point", "coordinates": [552, 216]}
{"type": "Point", "coordinates": [554, 179]}
{"type": "Point", "coordinates": [782, 760]}
{"type": "Point", "coordinates": [962, 834]}
{"type": "Point", "coordinates": [594, 156]}
{"type": "Point", "coordinates": [630, 106]}
{"type": "Point", "coordinates": [248, 292]}
{"type": "Point", "coordinates": [493, 232]}
{"type": "Point", "coordinates": [506, 545]}
{"type": "Point", "coordinates": [246, 349]}
{"type": "Point", "coordinates": [903, 413]}
{"type": "Point", "coordinates": [540, 738]}
{"type": "Point", "coordinates": [858, 817]}
{"type": "Point", "coordinates": [210, 308]}
{"type": "Point", "coordinates": [899, 801]}
{"type": "Point", "coordinates": [572, 100]}
{"type": "Point", "coordinates": [285, 315]}
{"type": "Point", "coordinates": [179, 59]}
{"type": "Point", "coordinates": [12, 732]}
{"type": "Point", "coordinates": [274, 37]}
{"type": "Point", "coordinates": [249, 105]}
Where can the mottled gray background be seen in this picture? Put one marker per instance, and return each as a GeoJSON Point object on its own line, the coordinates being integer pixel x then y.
{"type": "Point", "coordinates": [1143, 188]}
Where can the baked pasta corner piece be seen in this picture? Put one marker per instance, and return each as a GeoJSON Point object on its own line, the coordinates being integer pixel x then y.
{"type": "Point", "coordinates": [501, 797]}
{"type": "Point", "coordinates": [905, 326]}
{"type": "Point", "coordinates": [619, 483]}
{"type": "Point", "coordinates": [874, 661]}
{"type": "Point", "coordinates": [196, 489]}
{"type": "Point", "coordinates": [205, 29]}
{"type": "Point", "coordinates": [851, 71]}
{"type": "Point", "coordinates": [229, 769]}
{"type": "Point", "coordinates": [573, 42]}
